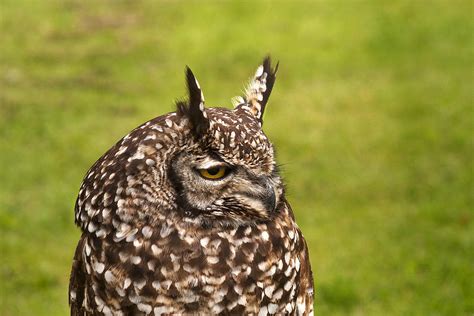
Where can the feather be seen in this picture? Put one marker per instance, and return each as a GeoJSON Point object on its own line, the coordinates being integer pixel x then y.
{"type": "Point", "coordinates": [193, 108]}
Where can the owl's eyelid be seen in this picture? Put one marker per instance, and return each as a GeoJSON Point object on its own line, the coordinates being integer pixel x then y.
{"type": "Point", "coordinates": [213, 164]}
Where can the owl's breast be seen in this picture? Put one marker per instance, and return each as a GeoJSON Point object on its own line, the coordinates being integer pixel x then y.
{"type": "Point", "coordinates": [172, 268]}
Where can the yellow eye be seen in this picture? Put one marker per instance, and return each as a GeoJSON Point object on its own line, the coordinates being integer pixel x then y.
{"type": "Point", "coordinates": [213, 173]}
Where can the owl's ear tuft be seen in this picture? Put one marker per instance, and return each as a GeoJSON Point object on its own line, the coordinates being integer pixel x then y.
{"type": "Point", "coordinates": [258, 90]}
{"type": "Point", "coordinates": [193, 108]}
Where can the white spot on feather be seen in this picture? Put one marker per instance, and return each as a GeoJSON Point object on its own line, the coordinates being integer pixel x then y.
{"type": "Point", "coordinates": [272, 308]}
{"type": "Point", "coordinates": [151, 265]}
{"type": "Point", "coordinates": [278, 294]}
{"type": "Point", "coordinates": [259, 71]}
{"type": "Point", "coordinates": [269, 290]}
{"type": "Point", "coordinates": [98, 267]}
{"type": "Point", "coordinates": [287, 285]}
{"type": "Point", "coordinates": [212, 259]}
{"type": "Point", "coordinates": [147, 231]}
{"type": "Point", "coordinates": [287, 258]}
{"type": "Point", "coordinates": [301, 307]}
{"type": "Point", "coordinates": [263, 311]}
{"type": "Point", "coordinates": [150, 162]}
{"type": "Point", "coordinates": [217, 308]}
{"type": "Point", "coordinates": [156, 250]}
{"type": "Point", "coordinates": [136, 259]}
{"type": "Point", "coordinates": [109, 277]}
{"type": "Point", "coordinates": [88, 249]}
{"type": "Point", "coordinates": [151, 136]}
{"type": "Point", "coordinates": [137, 155]}
{"type": "Point", "coordinates": [121, 150]}
{"type": "Point", "coordinates": [91, 227]}
{"type": "Point", "coordinates": [144, 308]}
{"type": "Point", "coordinates": [204, 241]}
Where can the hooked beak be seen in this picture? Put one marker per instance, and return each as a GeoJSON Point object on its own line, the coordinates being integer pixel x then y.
{"type": "Point", "coordinates": [269, 197]}
{"type": "Point", "coordinates": [261, 198]}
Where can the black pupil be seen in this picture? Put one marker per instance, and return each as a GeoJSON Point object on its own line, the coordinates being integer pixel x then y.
{"type": "Point", "coordinates": [213, 171]}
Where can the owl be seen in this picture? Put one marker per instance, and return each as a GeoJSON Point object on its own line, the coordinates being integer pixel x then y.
{"type": "Point", "coordinates": [187, 215]}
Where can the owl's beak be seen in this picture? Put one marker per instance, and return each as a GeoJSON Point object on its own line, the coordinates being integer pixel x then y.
{"type": "Point", "coordinates": [262, 197]}
{"type": "Point", "coordinates": [269, 197]}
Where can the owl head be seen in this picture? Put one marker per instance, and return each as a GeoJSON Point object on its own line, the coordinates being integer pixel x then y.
{"type": "Point", "coordinates": [213, 166]}
{"type": "Point", "coordinates": [230, 173]}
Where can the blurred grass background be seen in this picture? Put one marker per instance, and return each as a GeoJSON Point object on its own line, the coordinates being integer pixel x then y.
{"type": "Point", "coordinates": [372, 116]}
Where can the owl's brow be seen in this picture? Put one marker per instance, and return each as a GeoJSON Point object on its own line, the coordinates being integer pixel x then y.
{"type": "Point", "coordinates": [213, 164]}
{"type": "Point", "coordinates": [217, 157]}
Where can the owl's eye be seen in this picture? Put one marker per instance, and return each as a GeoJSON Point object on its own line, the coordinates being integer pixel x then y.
{"type": "Point", "coordinates": [214, 173]}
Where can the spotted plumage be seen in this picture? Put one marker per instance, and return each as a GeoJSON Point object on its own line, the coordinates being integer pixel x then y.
{"type": "Point", "coordinates": [187, 215]}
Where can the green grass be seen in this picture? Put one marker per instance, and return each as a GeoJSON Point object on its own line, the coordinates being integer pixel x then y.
{"type": "Point", "coordinates": [372, 116]}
